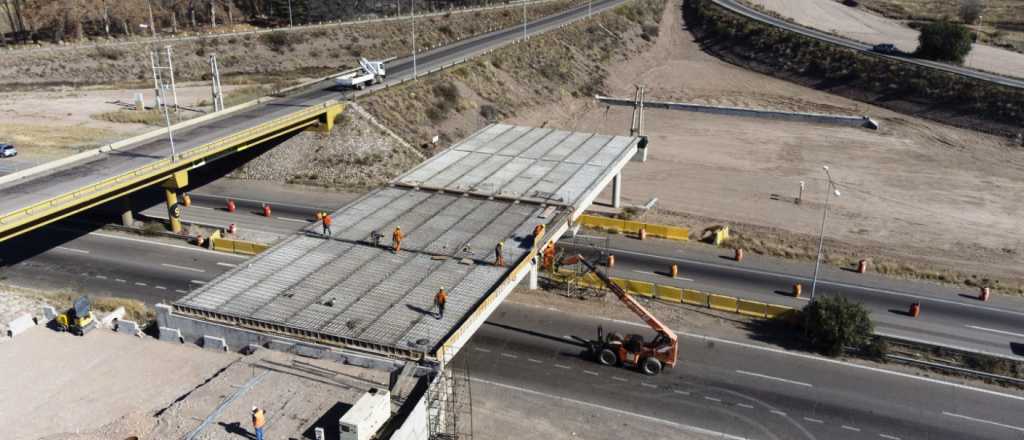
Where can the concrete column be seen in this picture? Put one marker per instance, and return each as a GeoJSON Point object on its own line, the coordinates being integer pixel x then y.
{"type": "Point", "coordinates": [127, 219]}
{"type": "Point", "coordinates": [172, 202]}
{"type": "Point", "coordinates": [171, 186]}
{"type": "Point", "coordinates": [534, 284]}
{"type": "Point", "coordinates": [617, 191]}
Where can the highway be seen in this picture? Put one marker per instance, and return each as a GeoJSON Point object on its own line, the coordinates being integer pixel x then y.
{"type": "Point", "coordinates": [43, 185]}
{"type": "Point", "coordinates": [737, 389]}
{"type": "Point", "coordinates": [950, 316]}
{"type": "Point", "coordinates": [739, 8]}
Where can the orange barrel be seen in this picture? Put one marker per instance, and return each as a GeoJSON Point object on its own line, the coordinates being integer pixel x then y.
{"type": "Point", "coordinates": [200, 240]}
{"type": "Point", "coordinates": [739, 255]}
{"type": "Point", "coordinates": [797, 289]}
{"type": "Point", "coordinates": [915, 309]}
{"type": "Point", "coordinates": [675, 271]}
{"type": "Point", "coordinates": [611, 261]}
{"type": "Point", "coordinates": [266, 210]}
{"type": "Point", "coordinates": [186, 200]}
{"type": "Point", "coordinates": [862, 266]}
{"type": "Point", "coordinates": [643, 233]}
{"type": "Point", "coordinates": [984, 294]}
{"type": "Point", "coordinates": [231, 205]}
{"type": "Point", "coordinates": [232, 228]}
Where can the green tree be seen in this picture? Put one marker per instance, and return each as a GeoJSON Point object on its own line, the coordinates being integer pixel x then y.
{"type": "Point", "coordinates": [944, 41]}
{"type": "Point", "coordinates": [832, 323]}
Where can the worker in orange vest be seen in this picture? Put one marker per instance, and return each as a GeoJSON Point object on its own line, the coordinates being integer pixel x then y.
{"type": "Point", "coordinates": [499, 255]}
{"type": "Point", "coordinates": [396, 238]}
{"type": "Point", "coordinates": [549, 257]}
{"type": "Point", "coordinates": [327, 224]}
{"type": "Point", "coordinates": [538, 232]}
{"type": "Point", "coordinates": [439, 300]}
{"type": "Point", "coordinates": [259, 420]}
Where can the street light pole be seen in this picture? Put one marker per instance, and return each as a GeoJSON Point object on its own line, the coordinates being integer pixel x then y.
{"type": "Point", "coordinates": [291, 23]}
{"type": "Point", "coordinates": [413, 13]}
{"type": "Point", "coordinates": [821, 239]}
{"type": "Point", "coordinates": [524, 20]}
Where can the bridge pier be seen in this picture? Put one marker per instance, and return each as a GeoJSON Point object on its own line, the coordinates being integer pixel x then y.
{"type": "Point", "coordinates": [171, 186]}
{"type": "Point", "coordinates": [534, 284]}
{"type": "Point", "coordinates": [127, 218]}
{"type": "Point", "coordinates": [327, 119]}
{"type": "Point", "coordinates": [617, 191]}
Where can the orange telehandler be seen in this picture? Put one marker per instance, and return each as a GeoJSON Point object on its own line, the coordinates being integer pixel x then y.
{"type": "Point", "coordinates": [630, 350]}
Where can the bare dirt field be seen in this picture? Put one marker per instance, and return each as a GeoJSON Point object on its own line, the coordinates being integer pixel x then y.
{"type": "Point", "coordinates": [914, 190]}
{"type": "Point", "coordinates": [832, 16]}
{"type": "Point", "coordinates": [49, 124]}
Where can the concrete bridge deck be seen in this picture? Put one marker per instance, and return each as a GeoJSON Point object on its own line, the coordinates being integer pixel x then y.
{"type": "Point", "coordinates": [347, 291]}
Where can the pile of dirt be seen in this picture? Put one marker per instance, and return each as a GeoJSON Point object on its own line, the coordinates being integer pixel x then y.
{"type": "Point", "coordinates": [310, 52]}
{"type": "Point", "coordinates": [357, 154]}
{"type": "Point", "coordinates": [569, 62]}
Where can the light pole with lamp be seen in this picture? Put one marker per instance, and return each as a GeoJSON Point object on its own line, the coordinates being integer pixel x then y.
{"type": "Point", "coordinates": [413, 15]}
{"type": "Point", "coordinates": [821, 240]}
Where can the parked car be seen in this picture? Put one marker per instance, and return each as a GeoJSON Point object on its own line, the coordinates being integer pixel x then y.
{"type": "Point", "coordinates": [8, 150]}
{"type": "Point", "coordinates": [851, 3]}
{"type": "Point", "coordinates": [886, 48]}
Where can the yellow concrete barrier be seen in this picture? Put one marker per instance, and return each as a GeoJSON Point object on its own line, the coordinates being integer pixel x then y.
{"type": "Point", "coordinates": [773, 311]}
{"type": "Point", "coordinates": [751, 308]}
{"type": "Point", "coordinates": [237, 246]}
{"type": "Point", "coordinates": [694, 297]}
{"type": "Point", "coordinates": [633, 227]}
{"type": "Point", "coordinates": [677, 233]}
{"type": "Point", "coordinates": [641, 288]}
{"type": "Point", "coordinates": [722, 302]}
{"type": "Point", "coordinates": [669, 293]}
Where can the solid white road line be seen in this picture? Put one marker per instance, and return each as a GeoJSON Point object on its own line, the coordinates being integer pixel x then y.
{"type": "Point", "coordinates": [1002, 332]}
{"type": "Point", "coordinates": [989, 422]}
{"type": "Point", "coordinates": [81, 251]}
{"type": "Point", "coordinates": [765, 376]}
{"type": "Point", "coordinates": [782, 352]}
{"type": "Point", "coordinates": [157, 243]}
{"type": "Point", "coordinates": [174, 266]}
{"type": "Point", "coordinates": [680, 426]}
{"type": "Point", "coordinates": [219, 263]}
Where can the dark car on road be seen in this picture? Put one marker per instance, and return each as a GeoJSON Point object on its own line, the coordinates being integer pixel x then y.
{"type": "Point", "coordinates": [886, 48]}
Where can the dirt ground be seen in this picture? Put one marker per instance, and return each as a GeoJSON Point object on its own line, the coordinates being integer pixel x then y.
{"type": "Point", "coordinates": [913, 188]}
{"type": "Point", "coordinates": [833, 16]}
{"type": "Point", "coordinates": [50, 124]}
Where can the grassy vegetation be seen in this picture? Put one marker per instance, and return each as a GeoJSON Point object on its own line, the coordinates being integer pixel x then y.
{"type": "Point", "coordinates": [126, 116]}
{"type": "Point", "coordinates": [135, 310]}
{"type": "Point", "coordinates": [1002, 24]}
{"type": "Point", "coordinates": [568, 62]}
{"type": "Point", "coordinates": [905, 87]}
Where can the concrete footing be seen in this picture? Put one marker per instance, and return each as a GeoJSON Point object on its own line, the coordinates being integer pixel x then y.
{"type": "Point", "coordinates": [171, 335]}
{"type": "Point", "coordinates": [214, 343]}
{"type": "Point", "coordinates": [20, 324]}
{"type": "Point", "coordinates": [127, 327]}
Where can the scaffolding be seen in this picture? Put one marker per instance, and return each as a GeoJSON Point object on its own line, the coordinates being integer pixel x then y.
{"type": "Point", "coordinates": [450, 404]}
{"type": "Point", "coordinates": [574, 276]}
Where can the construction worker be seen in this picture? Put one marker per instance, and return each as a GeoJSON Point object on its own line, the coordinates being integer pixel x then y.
{"type": "Point", "coordinates": [439, 300]}
{"type": "Point", "coordinates": [499, 255]}
{"type": "Point", "coordinates": [259, 420]}
{"type": "Point", "coordinates": [549, 257]}
{"type": "Point", "coordinates": [538, 232]}
{"type": "Point", "coordinates": [327, 224]}
{"type": "Point", "coordinates": [396, 238]}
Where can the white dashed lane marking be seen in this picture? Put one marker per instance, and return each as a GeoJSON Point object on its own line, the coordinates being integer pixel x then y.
{"type": "Point", "coordinates": [535, 361]}
{"type": "Point", "coordinates": [813, 420]}
{"type": "Point", "coordinates": [510, 356]}
{"type": "Point", "coordinates": [851, 428]}
{"type": "Point", "coordinates": [648, 385]}
{"type": "Point", "coordinates": [620, 379]}
{"type": "Point", "coordinates": [775, 411]}
{"type": "Point", "coordinates": [744, 405]}
{"type": "Point", "coordinates": [592, 373]}
{"type": "Point", "coordinates": [564, 367]}
{"type": "Point", "coordinates": [191, 269]}
{"type": "Point", "coordinates": [141, 284]}
{"type": "Point", "coordinates": [889, 437]}
{"type": "Point", "coordinates": [777, 379]}
{"type": "Point", "coordinates": [713, 399]}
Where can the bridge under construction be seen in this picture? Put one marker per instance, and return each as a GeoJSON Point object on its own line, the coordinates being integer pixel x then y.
{"type": "Point", "coordinates": [350, 292]}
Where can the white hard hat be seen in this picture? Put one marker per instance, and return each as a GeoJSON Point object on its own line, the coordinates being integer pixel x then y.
{"type": "Point", "coordinates": [254, 409]}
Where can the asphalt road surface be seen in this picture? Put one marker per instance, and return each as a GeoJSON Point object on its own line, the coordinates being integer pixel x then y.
{"type": "Point", "coordinates": [949, 316]}
{"type": "Point", "coordinates": [29, 191]}
{"type": "Point", "coordinates": [736, 389]}
{"type": "Point", "coordinates": [742, 9]}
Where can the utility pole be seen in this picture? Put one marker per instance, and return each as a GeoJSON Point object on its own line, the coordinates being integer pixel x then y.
{"type": "Point", "coordinates": [524, 20]}
{"type": "Point", "coordinates": [218, 93]}
{"type": "Point", "coordinates": [821, 240]}
{"type": "Point", "coordinates": [161, 100]}
{"type": "Point", "coordinates": [414, 39]}
{"type": "Point", "coordinates": [291, 23]}
{"type": "Point", "coordinates": [152, 25]}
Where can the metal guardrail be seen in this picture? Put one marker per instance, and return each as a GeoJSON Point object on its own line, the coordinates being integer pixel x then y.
{"type": "Point", "coordinates": [162, 166]}
{"type": "Point", "coordinates": [955, 369]}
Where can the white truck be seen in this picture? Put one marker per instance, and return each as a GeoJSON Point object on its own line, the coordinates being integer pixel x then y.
{"type": "Point", "coordinates": [370, 72]}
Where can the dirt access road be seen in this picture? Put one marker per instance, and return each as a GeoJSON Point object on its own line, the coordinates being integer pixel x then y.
{"type": "Point", "coordinates": [833, 16]}
{"type": "Point", "coordinates": [912, 190]}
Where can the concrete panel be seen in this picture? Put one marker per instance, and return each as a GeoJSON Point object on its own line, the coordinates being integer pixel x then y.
{"type": "Point", "coordinates": [20, 324]}
{"type": "Point", "coordinates": [128, 327]}
{"type": "Point", "coordinates": [214, 343]}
